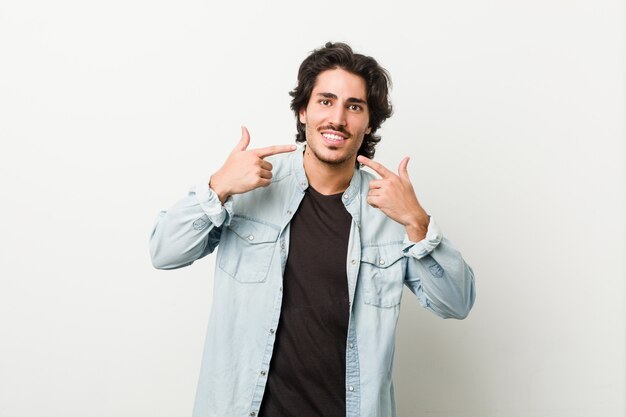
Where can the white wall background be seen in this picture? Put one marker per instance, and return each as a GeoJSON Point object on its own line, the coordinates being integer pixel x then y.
{"type": "Point", "coordinates": [513, 113]}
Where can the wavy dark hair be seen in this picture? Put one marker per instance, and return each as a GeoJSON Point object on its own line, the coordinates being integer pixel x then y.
{"type": "Point", "coordinates": [340, 55]}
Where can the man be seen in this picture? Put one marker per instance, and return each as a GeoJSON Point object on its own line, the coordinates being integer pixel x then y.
{"type": "Point", "coordinates": [313, 254]}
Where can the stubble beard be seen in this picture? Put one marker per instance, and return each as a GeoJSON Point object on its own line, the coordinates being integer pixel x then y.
{"type": "Point", "coordinates": [327, 161]}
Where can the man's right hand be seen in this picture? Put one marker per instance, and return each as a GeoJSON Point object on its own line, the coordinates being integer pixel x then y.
{"type": "Point", "coordinates": [245, 170]}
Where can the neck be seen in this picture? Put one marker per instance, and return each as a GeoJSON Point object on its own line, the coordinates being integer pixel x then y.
{"type": "Point", "coordinates": [328, 178]}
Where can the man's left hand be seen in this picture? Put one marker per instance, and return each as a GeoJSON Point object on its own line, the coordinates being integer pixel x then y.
{"type": "Point", "coordinates": [394, 195]}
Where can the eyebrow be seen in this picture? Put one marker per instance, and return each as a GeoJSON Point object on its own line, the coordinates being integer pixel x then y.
{"type": "Point", "coordinates": [349, 100]}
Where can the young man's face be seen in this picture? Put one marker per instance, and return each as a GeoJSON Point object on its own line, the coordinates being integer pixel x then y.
{"type": "Point", "coordinates": [336, 117]}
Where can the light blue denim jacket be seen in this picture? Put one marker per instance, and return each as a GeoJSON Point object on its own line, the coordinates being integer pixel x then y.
{"type": "Point", "coordinates": [252, 231]}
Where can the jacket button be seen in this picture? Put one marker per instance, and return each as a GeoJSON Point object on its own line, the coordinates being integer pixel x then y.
{"type": "Point", "coordinates": [381, 262]}
{"type": "Point", "coordinates": [350, 388]}
{"type": "Point", "coordinates": [250, 237]}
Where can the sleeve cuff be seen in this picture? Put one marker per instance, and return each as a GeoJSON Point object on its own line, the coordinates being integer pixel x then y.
{"type": "Point", "coordinates": [210, 203]}
{"type": "Point", "coordinates": [425, 246]}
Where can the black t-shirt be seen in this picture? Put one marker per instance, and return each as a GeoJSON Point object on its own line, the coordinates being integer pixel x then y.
{"type": "Point", "coordinates": [307, 370]}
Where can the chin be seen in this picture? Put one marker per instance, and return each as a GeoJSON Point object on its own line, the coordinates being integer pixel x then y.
{"type": "Point", "coordinates": [336, 159]}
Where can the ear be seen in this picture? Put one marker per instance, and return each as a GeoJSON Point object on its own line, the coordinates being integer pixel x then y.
{"type": "Point", "coordinates": [302, 115]}
{"type": "Point", "coordinates": [367, 132]}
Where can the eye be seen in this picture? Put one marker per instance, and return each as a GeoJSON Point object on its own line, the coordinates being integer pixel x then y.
{"type": "Point", "coordinates": [324, 102]}
{"type": "Point", "coordinates": [355, 107]}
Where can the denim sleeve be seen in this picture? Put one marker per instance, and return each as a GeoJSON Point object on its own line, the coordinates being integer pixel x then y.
{"type": "Point", "coordinates": [439, 276]}
{"type": "Point", "coordinates": [190, 230]}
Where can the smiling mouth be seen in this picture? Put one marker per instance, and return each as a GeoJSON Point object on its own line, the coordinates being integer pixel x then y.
{"type": "Point", "coordinates": [333, 137]}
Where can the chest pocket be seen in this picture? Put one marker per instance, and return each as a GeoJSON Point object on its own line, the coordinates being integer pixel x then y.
{"type": "Point", "coordinates": [382, 274]}
{"type": "Point", "coordinates": [247, 249]}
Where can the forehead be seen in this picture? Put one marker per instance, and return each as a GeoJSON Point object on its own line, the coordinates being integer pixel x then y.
{"type": "Point", "coordinates": [341, 83]}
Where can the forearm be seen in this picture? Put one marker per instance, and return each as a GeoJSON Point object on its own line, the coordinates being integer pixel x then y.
{"type": "Point", "coordinates": [188, 231]}
{"type": "Point", "coordinates": [439, 276]}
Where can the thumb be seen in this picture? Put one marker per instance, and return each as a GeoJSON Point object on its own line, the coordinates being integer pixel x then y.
{"type": "Point", "coordinates": [402, 168]}
{"type": "Point", "coordinates": [243, 143]}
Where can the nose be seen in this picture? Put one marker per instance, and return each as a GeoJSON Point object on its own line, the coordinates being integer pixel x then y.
{"type": "Point", "coordinates": [338, 115]}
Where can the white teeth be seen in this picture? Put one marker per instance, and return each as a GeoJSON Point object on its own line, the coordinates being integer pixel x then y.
{"type": "Point", "coordinates": [332, 136]}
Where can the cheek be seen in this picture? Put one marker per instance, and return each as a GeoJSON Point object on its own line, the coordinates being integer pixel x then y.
{"type": "Point", "coordinates": [365, 128]}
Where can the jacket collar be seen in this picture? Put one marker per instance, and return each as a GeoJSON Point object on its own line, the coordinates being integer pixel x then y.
{"type": "Point", "coordinates": [350, 196]}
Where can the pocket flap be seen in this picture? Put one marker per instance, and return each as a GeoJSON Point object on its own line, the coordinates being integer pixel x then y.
{"type": "Point", "coordinates": [252, 231]}
{"type": "Point", "coordinates": [381, 256]}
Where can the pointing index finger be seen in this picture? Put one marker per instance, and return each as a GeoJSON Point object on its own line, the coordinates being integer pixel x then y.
{"type": "Point", "coordinates": [274, 150]}
{"type": "Point", "coordinates": [378, 167]}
